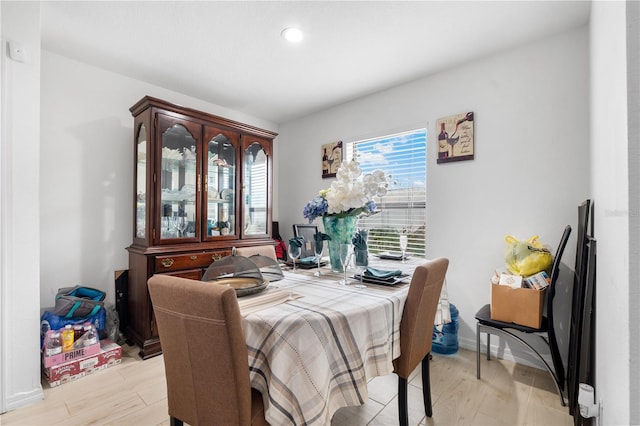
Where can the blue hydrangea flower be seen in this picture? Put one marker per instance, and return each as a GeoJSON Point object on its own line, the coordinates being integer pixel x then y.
{"type": "Point", "coordinates": [370, 206]}
{"type": "Point", "coordinates": [315, 208]}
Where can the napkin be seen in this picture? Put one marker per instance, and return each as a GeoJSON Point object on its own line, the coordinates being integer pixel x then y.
{"type": "Point", "coordinates": [308, 260]}
{"type": "Point", "coordinates": [359, 242]}
{"type": "Point", "coordinates": [359, 239]}
{"type": "Point", "coordinates": [379, 273]}
{"type": "Point", "coordinates": [265, 300]}
{"type": "Point", "coordinates": [320, 238]}
{"type": "Point", "coordinates": [296, 241]}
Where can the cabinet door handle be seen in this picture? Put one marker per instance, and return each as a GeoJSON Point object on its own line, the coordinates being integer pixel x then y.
{"type": "Point", "coordinates": [216, 256]}
{"type": "Point", "coordinates": [193, 257]}
{"type": "Point", "coordinates": [167, 262]}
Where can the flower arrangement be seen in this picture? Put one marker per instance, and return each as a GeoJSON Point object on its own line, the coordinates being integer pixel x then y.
{"type": "Point", "coordinates": [351, 194]}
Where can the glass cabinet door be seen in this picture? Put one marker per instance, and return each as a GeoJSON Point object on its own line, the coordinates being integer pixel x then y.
{"type": "Point", "coordinates": [255, 181]}
{"type": "Point", "coordinates": [178, 178]}
{"type": "Point", "coordinates": [141, 183]}
{"type": "Point", "coordinates": [220, 183]}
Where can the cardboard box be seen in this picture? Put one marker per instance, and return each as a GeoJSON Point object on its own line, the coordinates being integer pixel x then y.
{"type": "Point", "coordinates": [521, 306]}
{"type": "Point", "coordinates": [110, 354]}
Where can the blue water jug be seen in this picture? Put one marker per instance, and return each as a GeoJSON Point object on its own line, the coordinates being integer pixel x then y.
{"type": "Point", "coordinates": [446, 341]}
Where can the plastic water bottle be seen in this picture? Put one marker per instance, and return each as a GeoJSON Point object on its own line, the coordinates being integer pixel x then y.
{"type": "Point", "coordinates": [91, 334]}
{"type": "Point", "coordinates": [44, 328]}
{"type": "Point", "coordinates": [54, 344]}
{"type": "Point", "coordinates": [446, 341]}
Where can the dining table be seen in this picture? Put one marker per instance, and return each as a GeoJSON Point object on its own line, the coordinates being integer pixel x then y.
{"type": "Point", "coordinates": [314, 343]}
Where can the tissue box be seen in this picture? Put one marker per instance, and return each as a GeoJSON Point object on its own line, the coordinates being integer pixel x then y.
{"type": "Point", "coordinates": [110, 354]}
{"type": "Point", "coordinates": [521, 306]}
{"type": "Point", "coordinates": [513, 281]}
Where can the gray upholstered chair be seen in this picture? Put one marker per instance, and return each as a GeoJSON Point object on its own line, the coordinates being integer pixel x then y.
{"type": "Point", "coordinates": [267, 250]}
{"type": "Point", "coordinates": [416, 331]}
{"type": "Point", "coordinates": [205, 353]}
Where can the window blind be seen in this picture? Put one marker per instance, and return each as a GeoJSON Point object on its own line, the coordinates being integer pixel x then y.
{"type": "Point", "coordinates": [258, 195]}
{"type": "Point", "coordinates": [403, 156]}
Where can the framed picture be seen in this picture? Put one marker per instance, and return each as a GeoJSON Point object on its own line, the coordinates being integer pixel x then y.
{"type": "Point", "coordinates": [307, 232]}
{"type": "Point", "coordinates": [331, 158]}
{"type": "Point", "coordinates": [455, 138]}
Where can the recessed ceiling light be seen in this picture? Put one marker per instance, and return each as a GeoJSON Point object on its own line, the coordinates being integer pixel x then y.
{"type": "Point", "coordinates": [294, 35]}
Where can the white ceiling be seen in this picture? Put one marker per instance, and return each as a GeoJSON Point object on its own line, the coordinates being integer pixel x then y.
{"type": "Point", "coordinates": [231, 53]}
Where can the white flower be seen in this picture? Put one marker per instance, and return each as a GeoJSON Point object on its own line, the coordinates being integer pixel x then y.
{"type": "Point", "coordinates": [351, 193]}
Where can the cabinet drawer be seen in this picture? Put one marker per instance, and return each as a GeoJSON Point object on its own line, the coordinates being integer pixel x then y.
{"type": "Point", "coordinates": [179, 262]}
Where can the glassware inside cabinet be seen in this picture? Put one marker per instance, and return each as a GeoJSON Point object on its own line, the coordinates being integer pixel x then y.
{"type": "Point", "coordinates": [141, 182]}
{"type": "Point", "coordinates": [178, 180]}
{"type": "Point", "coordinates": [220, 186]}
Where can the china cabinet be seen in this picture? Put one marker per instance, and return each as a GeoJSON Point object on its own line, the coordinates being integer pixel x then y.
{"type": "Point", "coordinates": [202, 185]}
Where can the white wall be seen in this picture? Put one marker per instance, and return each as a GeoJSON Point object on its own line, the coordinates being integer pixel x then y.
{"type": "Point", "coordinates": [19, 208]}
{"type": "Point", "coordinates": [609, 180]}
{"type": "Point", "coordinates": [530, 172]}
{"type": "Point", "coordinates": [87, 171]}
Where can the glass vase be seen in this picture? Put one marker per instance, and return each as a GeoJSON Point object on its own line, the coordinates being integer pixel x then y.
{"type": "Point", "coordinates": [340, 230]}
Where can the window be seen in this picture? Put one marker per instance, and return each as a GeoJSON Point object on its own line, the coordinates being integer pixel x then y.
{"type": "Point", "coordinates": [403, 209]}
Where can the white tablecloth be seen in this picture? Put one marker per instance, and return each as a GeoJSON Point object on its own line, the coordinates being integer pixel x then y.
{"type": "Point", "coordinates": [312, 355]}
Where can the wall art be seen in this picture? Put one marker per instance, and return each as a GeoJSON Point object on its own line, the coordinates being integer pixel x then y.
{"type": "Point", "coordinates": [331, 158]}
{"type": "Point", "coordinates": [455, 138]}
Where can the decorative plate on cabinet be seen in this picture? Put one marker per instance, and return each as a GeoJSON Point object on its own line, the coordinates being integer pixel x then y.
{"type": "Point", "coordinates": [227, 194]}
{"type": "Point", "coordinates": [213, 194]}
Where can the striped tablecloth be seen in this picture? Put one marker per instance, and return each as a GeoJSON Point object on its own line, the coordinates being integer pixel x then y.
{"type": "Point", "coordinates": [314, 354]}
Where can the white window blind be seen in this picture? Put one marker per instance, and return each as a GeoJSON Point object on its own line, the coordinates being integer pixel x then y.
{"type": "Point", "coordinates": [403, 209]}
{"type": "Point", "coordinates": [257, 185]}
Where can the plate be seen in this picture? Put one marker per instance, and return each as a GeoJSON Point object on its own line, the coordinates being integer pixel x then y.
{"type": "Point", "coordinates": [391, 255]}
{"type": "Point", "coordinates": [242, 286]}
{"type": "Point", "coordinates": [306, 265]}
{"type": "Point", "coordinates": [382, 281]}
{"type": "Point", "coordinates": [226, 194]}
{"type": "Point", "coordinates": [213, 194]}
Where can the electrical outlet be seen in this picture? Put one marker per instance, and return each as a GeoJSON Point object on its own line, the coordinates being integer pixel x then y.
{"type": "Point", "coordinates": [17, 51]}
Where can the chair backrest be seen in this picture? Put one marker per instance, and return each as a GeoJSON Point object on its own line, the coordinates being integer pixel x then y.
{"type": "Point", "coordinates": [584, 210]}
{"type": "Point", "coordinates": [265, 250]}
{"type": "Point", "coordinates": [551, 293]}
{"type": "Point", "coordinates": [555, 269]}
{"type": "Point", "coordinates": [416, 325]}
{"type": "Point", "coordinates": [204, 349]}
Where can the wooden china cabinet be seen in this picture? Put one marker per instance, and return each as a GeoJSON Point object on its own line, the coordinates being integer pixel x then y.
{"type": "Point", "coordinates": [202, 185]}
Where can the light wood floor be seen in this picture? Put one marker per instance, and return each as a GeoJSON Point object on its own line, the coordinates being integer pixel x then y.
{"type": "Point", "coordinates": [134, 393]}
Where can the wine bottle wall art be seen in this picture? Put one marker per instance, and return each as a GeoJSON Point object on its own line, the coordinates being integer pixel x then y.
{"type": "Point", "coordinates": [455, 138]}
